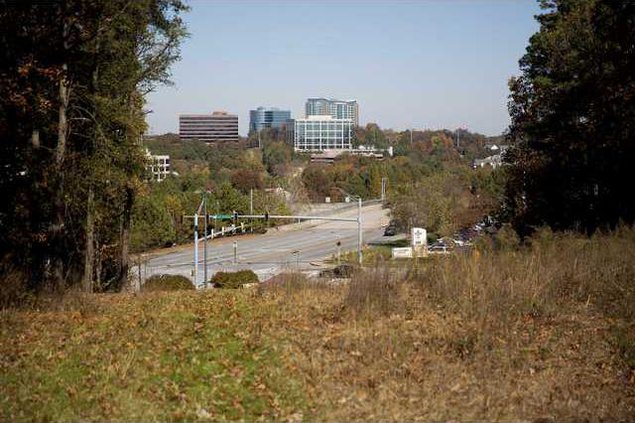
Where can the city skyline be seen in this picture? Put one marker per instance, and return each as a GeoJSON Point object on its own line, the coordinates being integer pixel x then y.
{"type": "Point", "coordinates": [423, 65]}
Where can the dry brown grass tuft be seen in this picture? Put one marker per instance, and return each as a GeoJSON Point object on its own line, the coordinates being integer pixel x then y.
{"type": "Point", "coordinates": [374, 291]}
{"type": "Point", "coordinates": [520, 333]}
{"type": "Point", "coordinates": [554, 272]}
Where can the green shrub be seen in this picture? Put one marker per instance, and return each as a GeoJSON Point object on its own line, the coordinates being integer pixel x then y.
{"type": "Point", "coordinates": [167, 283]}
{"type": "Point", "coordinates": [233, 280]}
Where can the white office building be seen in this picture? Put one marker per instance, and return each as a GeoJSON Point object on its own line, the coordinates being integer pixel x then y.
{"type": "Point", "coordinates": [322, 132]}
{"type": "Point", "coordinates": [158, 166]}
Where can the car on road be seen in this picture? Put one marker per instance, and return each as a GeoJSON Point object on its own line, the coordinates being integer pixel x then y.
{"type": "Point", "coordinates": [390, 231]}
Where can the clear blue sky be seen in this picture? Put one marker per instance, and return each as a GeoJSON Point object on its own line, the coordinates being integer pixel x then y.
{"type": "Point", "coordinates": [419, 64]}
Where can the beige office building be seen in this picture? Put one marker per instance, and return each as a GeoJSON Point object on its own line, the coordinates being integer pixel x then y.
{"type": "Point", "coordinates": [214, 127]}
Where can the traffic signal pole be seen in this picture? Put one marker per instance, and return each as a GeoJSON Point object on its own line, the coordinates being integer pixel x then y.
{"type": "Point", "coordinates": [196, 215]}
{"type": "Point", "coordinates": [195, 273]}
{"type": "Point", "coordinates": [359, 230]}
{"type": "Point", "coordinates": [205, 243]}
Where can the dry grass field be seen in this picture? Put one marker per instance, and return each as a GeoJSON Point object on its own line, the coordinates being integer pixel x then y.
{"type": "Point", "coordinates": [540, 332]}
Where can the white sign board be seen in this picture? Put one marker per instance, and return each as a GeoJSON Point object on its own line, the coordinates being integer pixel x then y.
{"type": "Point", "coordinates": [419, 237]}
{"type": "Point", "coordinates": [405, 252]}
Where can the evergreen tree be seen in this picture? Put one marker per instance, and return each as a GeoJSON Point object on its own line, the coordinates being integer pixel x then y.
{"type": "Point", "coordinates": [573, 115]}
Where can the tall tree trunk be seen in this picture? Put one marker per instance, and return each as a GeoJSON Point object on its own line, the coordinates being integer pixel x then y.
{"type": "Point", "coordinates": [89, 253]}
{"type": "Point", "coordinates": [129, 201]}
{"type": "Point", "coordinates": [126, 225]}
{"type": "Point", "coordinates": [57, 194]}
{"type": "Point", "coordinates": [35, 139]}
{"type": "Point", "coordinates": [62, 125]}
{"type": "Point", "coordinates": [99, 254]}
{"type": "Point", "coordinates": [57, 262]}
{"type": "Point", "coordinates": [89, 250]}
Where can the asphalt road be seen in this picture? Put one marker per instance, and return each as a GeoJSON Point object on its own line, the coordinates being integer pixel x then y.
{"type": "Point", "coordinates": [302, 246]}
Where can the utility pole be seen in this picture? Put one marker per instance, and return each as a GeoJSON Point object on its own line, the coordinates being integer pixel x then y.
{"type": "Point", "coordinates": [411, 136]}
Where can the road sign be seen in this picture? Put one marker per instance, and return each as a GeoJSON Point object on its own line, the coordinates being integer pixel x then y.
{"type": "Point", "coordinates": [419, 237]}
{"type": "Point", "coordinates": [403, 252]}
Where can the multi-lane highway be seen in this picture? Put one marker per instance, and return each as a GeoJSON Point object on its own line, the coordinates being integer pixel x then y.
{"type": "Point", "coordinates": [301, 246]}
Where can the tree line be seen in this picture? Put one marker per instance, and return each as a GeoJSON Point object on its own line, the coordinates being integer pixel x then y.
{"type": "Point", "coordinates": [429, 181]}
{"type": "Point", "coordinates": [73, 76]}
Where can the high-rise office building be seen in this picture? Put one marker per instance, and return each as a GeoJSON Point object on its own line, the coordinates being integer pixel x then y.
{"type": "Point", "coordinates": [268, 118]}
{"type": "Point", "coordinates": [322, 132]}
{"type": "Point", "coordinates": [337, 109]}
{"type": "Point", "coordinates": [217, 126]}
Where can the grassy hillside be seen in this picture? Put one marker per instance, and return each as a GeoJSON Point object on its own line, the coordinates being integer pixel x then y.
{"type": "Point", "coordinates": [544, 331]}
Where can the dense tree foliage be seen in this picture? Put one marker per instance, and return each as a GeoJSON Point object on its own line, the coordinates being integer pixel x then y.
{"type": "Point", "coordinates": [573, 116]}
{"type": "Point", "coordinates": [227, 173]}
{"type": "Point", "coordinates": [72, 79]}
{"type": "Point", "coordinates": [430, 182]}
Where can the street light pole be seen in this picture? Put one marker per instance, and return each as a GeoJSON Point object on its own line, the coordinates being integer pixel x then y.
{"type": "Point", "coordinates": [359, 225]}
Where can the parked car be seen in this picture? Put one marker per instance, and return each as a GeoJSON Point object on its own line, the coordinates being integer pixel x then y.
{"type": "Point", "coordinates": [438, 247]}
{"type": "Point", "coordinates": [390, 231]}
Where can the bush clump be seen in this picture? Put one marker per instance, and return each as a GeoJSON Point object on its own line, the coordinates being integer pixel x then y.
{"type": "Point", "coordinates": [233, 280]}
{"type": "Point", "coordinates": [167, 283]}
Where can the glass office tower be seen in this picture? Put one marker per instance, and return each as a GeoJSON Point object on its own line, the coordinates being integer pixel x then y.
{"type": "Point", "coordinates": [268, 118]}
{"type": "Point", "coordinates": [337, 109]}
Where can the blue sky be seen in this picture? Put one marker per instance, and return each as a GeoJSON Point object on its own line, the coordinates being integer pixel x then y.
{"type": "Point", "coordinates": [420, 64]}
